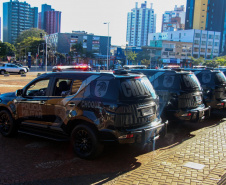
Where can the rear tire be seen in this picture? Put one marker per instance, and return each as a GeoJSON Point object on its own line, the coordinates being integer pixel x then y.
{"type": "Point", "coordinates": [7, 125]}
{"type": "Point", "coordinates": [85, 142]}
{"type": "Point", "coordinates": [2, 72]}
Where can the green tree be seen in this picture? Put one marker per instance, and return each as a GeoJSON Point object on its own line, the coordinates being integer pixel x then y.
{"type": "Point", "coordinates": [60, 57]}
{"type": "Point", "coordinates": [198, 61]}
{"type": "Point", "coordinates": [77, 50]}
{"type": "Point", "coordinates": [143, 55]}
{"type": "Point", "coordinates": [7, 49]}
{"type": "Point", "coordinates": [33, 32]}
{"type": "Point", "coordinates": [30, 41]}
{"type": "Point", "coordinates": [221, 60]}
{"type": "Point", "coordinates": [211, 63]}
{"type": "Point", "coordinates": [145, 62]}
{"type": "Point", "coordinates": [131, 56]}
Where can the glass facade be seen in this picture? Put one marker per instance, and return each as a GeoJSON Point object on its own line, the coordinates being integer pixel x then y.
{"type": "Point", "coordinates": [189, 14]}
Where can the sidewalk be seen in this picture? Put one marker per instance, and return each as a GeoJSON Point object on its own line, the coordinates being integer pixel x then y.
{"type": "Point", "coordinates": [204, 154]}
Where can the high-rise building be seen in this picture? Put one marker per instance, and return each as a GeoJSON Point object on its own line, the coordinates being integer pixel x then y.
{"type": "Point", "coordinates": [49, 20]}
{"type": "Point", "coordinates": [140, 22]}
{"type": "Point", "coordinates": [174, 20]}
{"type": "Point", "coordinates": [207, 15]}
{"type": "Point", "coordinates": [17, 17]}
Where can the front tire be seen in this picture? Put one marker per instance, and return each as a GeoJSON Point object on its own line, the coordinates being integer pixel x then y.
{"type": "Point", "coordinates": [21, 72]}
{"type": "Point", "coordinates": [85, 142]}
{"type": "Point", "coordinates": [7, 125]}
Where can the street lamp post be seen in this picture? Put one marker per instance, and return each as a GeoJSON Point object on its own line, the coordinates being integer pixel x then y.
{"type": "Point", "coordinates": [108, 43]}
{"type": "Point", "coordinates": [46, 54]}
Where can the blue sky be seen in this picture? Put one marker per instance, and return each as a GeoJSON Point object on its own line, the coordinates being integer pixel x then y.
{"type": "Point", "coordinates": [89, 15]}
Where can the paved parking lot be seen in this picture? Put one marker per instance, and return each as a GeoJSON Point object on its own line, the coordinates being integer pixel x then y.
{"type": "Point", "coordinates": [188, 155]}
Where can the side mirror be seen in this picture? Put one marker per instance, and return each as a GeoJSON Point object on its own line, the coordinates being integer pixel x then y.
{"type": "Point", "coordinates": [19, 92]}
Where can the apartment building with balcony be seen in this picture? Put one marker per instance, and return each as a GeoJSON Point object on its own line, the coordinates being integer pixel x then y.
{"type": "Point", "coordinates": [140, 22]}
{"type": "Point", "coordinates": [174, 20]}
{"type": "Point", "coordinates": [207, 15]}
{"type": "Point", "coordinates": [49, 19]}
{"type": "Point", "coordinates": [18, 17]}
{"type": "Point", "coordinates": [204, 43]}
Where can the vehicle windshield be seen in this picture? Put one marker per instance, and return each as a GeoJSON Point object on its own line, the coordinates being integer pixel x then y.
{"type": "Point", "coordinates": [190, 82]}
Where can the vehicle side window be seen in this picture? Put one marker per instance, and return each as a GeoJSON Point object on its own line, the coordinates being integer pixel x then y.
{"type": "Point", "coordinates": [75, 86]}
{"type": "Point", "coordinates": [38, 88]}
{"type": "Point", "coordinates": [62, 87]}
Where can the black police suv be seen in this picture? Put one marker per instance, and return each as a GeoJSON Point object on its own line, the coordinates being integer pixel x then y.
{"type": "Point", "coordinates": [213, 83]}
{"type": "Point", "coordinates": [180, 94]}
{"type": "Point", "coordinates": [87, 107]}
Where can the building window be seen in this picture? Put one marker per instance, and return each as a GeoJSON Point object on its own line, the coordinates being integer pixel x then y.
{"type": "Point", "coordinates": [197, 35]}
{"type": "Point", "coordinates": [217, 37]}
{"type": "Point", "coordinates": [203, 50]}
{"type": "Point", "coordinates": [216, 44]}
{"type": "Point", "coordinates": [196, 41]}
{"type": "Point", "coordinates": [209, 50]}
{"type": "Point", "coordinates": [195, 55]}
{"type": "Point", "coordinates": [210, 43]}
{"type": "Point", "coordinates": [196, 49]}
{"type": "Point", "coordinates": [210, 36]}
{"type": "Point", "coordinates": [203, 42]}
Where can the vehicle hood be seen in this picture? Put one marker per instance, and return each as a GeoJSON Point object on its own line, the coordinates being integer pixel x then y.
{"type": "Point", "coordinates": [8, 96]}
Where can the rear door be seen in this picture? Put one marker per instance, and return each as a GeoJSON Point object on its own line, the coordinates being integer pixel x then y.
{"type": "Point", "coordinates": [62, 100]}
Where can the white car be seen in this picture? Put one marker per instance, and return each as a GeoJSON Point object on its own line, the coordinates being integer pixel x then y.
{"type": "Point", "coordinates": [12, 68]}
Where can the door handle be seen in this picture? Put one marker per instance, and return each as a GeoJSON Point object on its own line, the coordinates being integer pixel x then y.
{"type": "Point", "coordinates": [71, 104]}
{"type": "Point", "coordinates": [42, 102]}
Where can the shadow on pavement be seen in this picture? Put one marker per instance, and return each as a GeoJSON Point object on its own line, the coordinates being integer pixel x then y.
{"type": "Point", "coordinates": [31, 160]}
{"type": "Point", "coordinates": [179, 132]}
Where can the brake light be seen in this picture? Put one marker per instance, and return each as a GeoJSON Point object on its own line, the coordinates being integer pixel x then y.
{"type": "Point", "coordinates": [129, 136]}
{"type": "Point", "coordinates": [137, 77]}
{"type": "Point", "coordinates": [189, 114]}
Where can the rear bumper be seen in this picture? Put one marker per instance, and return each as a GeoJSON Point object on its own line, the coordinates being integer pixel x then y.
{"type": "Point", "coordinates": [217, 104]}
{"type": "Point", "coordinates": [142, 135]}
{"type": "Point", "coordinates": [194, 115]}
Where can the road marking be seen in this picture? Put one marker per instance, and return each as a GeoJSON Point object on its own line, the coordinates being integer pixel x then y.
{"type": "Point", "coordinates": [4, 85]}
{"type": "Point", "coordinates": [194, 165]}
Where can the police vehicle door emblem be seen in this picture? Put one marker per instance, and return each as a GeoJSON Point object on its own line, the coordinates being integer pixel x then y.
{"type": "Point", "coordinates": [101, 88]}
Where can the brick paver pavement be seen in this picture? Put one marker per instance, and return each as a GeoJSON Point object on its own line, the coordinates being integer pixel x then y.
{"type": "Point", "coordinates": [207, 148]}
